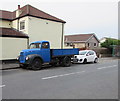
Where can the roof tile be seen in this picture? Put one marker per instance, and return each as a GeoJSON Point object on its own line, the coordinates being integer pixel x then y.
{"type": "Point", "coordinates": [29, 10]}
{"type": "Point", "coordinates": [79, 37]}
{"type": "Point", "coordinates": [10, 32]}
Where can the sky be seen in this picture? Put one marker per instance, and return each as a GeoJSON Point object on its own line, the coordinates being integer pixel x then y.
{"type": "Point", "coordinates": [81, 16]}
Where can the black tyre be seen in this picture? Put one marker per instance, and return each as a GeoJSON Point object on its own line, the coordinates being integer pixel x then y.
{"type": "Point", "coordinates": [85, 61]}
{"type": "Point", "coordinates": [66, 62]}
{"type": "Point", "coordinates": [56, 62]}
{"type": "Point", "coordinates": [36, 64]}
{"type": "Point", "coordinates": [96, 60]}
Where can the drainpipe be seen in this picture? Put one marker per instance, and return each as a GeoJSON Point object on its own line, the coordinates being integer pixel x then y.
{"type": "Point", "coordinates": [18, 24]}
{"type": "Point", "coordinates": [28, 42]}
{"type": "Point", "coordinates": [18, 18]}
{"type": "Point", "coordinates": [62, 36]}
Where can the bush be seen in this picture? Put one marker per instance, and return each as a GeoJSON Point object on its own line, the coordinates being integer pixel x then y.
{"type": "Point", "coordinates": [109, 43]}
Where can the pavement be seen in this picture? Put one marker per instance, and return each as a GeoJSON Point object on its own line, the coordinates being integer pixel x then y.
{"type": "Point", "coordinates": [80, 81]}
{"type": "Point", "coordinates": [15, 65]}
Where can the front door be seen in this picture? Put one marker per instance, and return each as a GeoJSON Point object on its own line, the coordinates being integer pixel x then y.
{"type": "Point", "coordinates": [90, 56]}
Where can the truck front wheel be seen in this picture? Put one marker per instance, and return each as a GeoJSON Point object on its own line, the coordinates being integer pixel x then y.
{"type": "Point", "coordinates": [66, 62]}
{"type": "Point", "coordinates": [36, 64]}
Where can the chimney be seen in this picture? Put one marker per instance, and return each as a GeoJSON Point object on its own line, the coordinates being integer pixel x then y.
{"type": "Point", "coordinates": [18, 6]}
{"type": "Point", "coordinates": [18, 11]}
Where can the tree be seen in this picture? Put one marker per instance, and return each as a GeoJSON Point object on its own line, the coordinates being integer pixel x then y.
{"type": "Point", "coordinates": [109, 43]}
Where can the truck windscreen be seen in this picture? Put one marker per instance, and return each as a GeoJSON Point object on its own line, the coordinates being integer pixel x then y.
{"type": "Point", "coordinates": [34, 45]}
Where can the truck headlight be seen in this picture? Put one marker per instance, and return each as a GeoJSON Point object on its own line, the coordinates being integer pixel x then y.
{"type": "Point", "coordinates": [27, 58]}
{"type": "Point", "coordinates": [18, 58]}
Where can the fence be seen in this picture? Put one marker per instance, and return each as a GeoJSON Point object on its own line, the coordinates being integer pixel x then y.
{"type": "Point", "coordinates": [116, 51]}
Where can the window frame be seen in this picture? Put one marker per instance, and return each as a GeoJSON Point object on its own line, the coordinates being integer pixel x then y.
{"type": "Point", "coordinates": [90, 53]}
{"type": "Point", "coordinates": [88, 44]}
{"type": "Point", "coordinates": [22, 27]}
{"type": "Point", "coordinates": [45, 47]}
{"type": "Point", "coordinates": [35, 44]}
{"type": "Point", "coordinates": [95, 44]}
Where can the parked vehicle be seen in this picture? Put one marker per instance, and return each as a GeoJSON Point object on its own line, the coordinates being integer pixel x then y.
{"type": "Point", "coordinates": [85, 56]}
{"type": "Point", "coordinates": [40, 53]}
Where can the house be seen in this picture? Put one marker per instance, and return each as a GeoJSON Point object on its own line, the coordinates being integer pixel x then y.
{"type": "Point", "coordinates": [27, 24]}
{"type": "Point", "coordinates": [82, 41]}
{"type": "Point", "coordinates": [105, 38]}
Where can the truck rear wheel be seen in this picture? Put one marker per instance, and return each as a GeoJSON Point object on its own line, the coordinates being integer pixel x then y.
{"type": "Point", "coordinates": [36, 64]}
{"type": "Point", "coordinates": [55, 62]}
{"type": "Point", "coordinates": [66, 62]}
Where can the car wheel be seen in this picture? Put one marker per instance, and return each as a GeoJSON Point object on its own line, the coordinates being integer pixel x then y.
{"type": "Point", "coordinates": [36, 64]}
{"type": "Point", "coordinates": [85, 61]}
{"type": "Point", "coordinates": [96, 60]}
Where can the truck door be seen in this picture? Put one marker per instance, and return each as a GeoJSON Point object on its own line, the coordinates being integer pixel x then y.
{"type": "Point", "coordinates": [45, 49]}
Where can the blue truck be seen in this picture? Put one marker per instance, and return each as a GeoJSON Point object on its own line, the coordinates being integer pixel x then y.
{"type": "Point", "coordinates": [39, 53]}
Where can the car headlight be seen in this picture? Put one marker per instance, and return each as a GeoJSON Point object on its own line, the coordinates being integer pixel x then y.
{"type": "Point", "coordinates": [75, 56]}
{"type": "Point", "coordinates": [27, 58]}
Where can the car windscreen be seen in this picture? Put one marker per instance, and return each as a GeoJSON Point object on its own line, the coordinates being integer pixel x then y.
{"type": "Point", "coordinates": [82, 52]}
{"type": "Point", "coordinates": [34, 45]}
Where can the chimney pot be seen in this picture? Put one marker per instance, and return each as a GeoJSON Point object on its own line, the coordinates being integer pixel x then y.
{"type": "Point", "coordinates": [18, 6]}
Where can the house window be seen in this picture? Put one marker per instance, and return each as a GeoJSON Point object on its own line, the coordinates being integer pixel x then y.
{"type": "Point", "coordinates": [95, 44]}
{"type": "Point", "coordinates": [88, 44]}
{"type": "Point", "coordinates": [22, 25]}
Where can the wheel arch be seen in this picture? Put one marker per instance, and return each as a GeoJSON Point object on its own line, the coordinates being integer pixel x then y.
{"type": "Point", "coordinates": [34, 56]}
{"type": "Point", "coordinates": [85, 60]}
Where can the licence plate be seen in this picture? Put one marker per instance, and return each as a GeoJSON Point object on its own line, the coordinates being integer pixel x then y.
{"type": "Point", "coordinates": [75, 60]}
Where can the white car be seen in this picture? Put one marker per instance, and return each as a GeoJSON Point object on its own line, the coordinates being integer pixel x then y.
{"type": "Point", "coordinates": [85, 56]}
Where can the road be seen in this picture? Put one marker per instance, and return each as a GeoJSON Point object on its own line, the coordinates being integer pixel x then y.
{"type": "Point", "coordinates": [80, 81]}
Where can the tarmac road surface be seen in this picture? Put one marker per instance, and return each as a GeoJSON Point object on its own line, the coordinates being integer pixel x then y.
{"type": "Point", "coordinates": [80, 81]}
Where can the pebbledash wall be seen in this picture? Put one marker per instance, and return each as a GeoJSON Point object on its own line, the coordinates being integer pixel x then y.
{"type": "Point", "coordinates": [5, 23]}
{"type": "Point", "coordinates": [46, 30]}
{"type": "Point", "coordinates": [11, 47]}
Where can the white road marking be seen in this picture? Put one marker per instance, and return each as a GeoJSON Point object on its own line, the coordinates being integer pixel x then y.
{"type": "Point", "coordinates": [61, 75]}
{"type": "Point", "coordinates": [107, 67]}
{"type": "Point", "coordinates": [55, 76]}
{"type": "Point", "coordinates": [2, 86]}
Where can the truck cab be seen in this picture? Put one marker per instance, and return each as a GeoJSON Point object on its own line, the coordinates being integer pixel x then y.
{"type": "Point", "coordinates": [38, 49]}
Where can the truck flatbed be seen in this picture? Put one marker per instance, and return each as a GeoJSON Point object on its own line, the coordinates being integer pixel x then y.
{"type": "Point", "coordinates": [64, 52]}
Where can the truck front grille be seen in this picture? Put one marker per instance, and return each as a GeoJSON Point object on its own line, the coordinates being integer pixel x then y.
{"type": "Point", "coordinates": [21, 58]}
